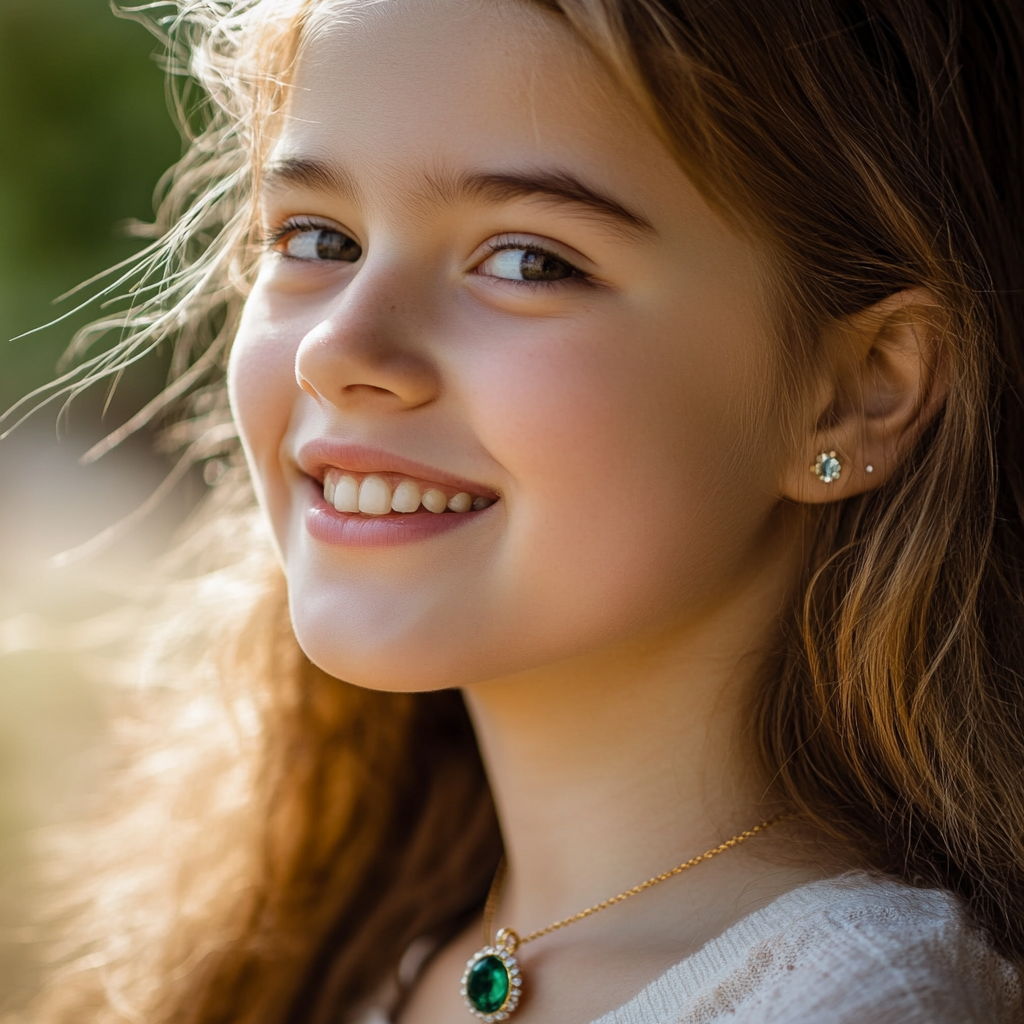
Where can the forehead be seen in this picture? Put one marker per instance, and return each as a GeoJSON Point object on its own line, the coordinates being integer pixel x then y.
{"type": "Point", "coordinates": [442, 85]}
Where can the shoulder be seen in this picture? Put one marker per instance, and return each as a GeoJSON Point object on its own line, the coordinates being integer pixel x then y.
{"type": "Point", "coordinates": [847, 950]}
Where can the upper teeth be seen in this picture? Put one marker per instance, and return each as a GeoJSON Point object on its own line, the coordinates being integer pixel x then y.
{"type": "Point", "coordinates": [375, 495]}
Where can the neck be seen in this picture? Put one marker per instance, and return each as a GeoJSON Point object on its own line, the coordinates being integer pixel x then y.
{"type": "Point", "coordinates": [609, 769]}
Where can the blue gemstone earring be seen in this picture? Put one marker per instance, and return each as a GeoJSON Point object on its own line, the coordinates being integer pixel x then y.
{"type": "Point", "coordinates": [827, 467]}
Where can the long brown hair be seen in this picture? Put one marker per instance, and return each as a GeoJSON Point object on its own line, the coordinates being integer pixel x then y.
{"type": "Point", "coordinates": [871, 146]}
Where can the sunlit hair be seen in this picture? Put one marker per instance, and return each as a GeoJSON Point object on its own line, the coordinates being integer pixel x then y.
{"type": "Point", "coordinates": [293, 834]}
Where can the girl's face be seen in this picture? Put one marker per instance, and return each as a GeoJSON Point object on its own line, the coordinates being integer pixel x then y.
{"type": "Point", "coordinates": [487, 278]}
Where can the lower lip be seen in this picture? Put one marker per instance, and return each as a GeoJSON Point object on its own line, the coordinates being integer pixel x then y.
{"type": "Point", "coordinates": [352, 530]}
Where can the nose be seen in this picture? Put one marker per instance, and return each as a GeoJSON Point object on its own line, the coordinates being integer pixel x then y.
{"type": "Point", "coordinates": [369, 352]}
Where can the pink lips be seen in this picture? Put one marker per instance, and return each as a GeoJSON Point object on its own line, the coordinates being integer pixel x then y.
{"type": "Point", "coordinates": [346, 529]}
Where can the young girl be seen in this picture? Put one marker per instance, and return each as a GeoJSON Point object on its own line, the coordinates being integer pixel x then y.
{"type": "Point", "coordinates": [632, 390]}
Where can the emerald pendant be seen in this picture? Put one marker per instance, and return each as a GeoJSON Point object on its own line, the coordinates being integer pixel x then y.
{"type": "Point", "coordinates": [492, 983]}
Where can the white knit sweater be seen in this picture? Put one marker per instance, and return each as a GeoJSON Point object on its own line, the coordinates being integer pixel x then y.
{"type": "Point", "coordinates": [857, 949]}
{"type": "Point", "coordinates": [850, 950]}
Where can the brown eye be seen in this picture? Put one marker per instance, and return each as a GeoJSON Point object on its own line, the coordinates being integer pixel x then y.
{"type": "Point", "coordinates": [526, 265]}
{"type": "Point", "coordinates": [539, 266]}
{"type": "Point", "coordinates": [318, 244]}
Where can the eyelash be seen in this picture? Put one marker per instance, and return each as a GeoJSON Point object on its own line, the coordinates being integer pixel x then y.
{"type": "Point", "coordinates": [273, 238]}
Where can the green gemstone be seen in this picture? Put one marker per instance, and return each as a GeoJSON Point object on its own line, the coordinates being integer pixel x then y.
{"type": "Point", "coordinates": [488, 984]}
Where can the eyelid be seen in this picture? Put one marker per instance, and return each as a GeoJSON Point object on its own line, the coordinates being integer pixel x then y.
{"type": "Point", "coordinates": [535, 243]}
{"type": "Point", "coordinates": [273, 237]}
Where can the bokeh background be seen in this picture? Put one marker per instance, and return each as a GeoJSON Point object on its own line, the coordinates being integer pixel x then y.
{"type": "Point", "coordinates": [84, 138]}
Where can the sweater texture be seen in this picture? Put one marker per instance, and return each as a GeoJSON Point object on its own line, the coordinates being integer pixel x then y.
{"type": "Point", "coordinates": [857, 949]}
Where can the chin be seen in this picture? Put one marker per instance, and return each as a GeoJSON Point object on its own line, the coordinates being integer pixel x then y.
{"type": "Point", "coordinates": [371, 671]}
{"type": "Point", "coordinates": [382, 651]}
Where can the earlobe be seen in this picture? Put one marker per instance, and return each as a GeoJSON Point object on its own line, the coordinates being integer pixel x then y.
{"type": "Point", "coordinates": [885, 386]}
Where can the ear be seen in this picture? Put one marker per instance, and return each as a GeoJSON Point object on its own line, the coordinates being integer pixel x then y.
{"type": "Point", "coordinates": [881, 385]}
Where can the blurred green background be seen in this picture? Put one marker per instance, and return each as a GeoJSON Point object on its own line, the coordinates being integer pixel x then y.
{"type": "Point", "coordinates": [84, 137]}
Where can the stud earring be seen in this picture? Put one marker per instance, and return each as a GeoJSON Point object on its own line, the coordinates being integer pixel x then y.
{"type": "Point", "coordinates": [827, 467]}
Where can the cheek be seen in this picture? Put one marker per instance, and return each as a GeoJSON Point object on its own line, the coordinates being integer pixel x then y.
{"type": "Point", "coordinates": [263, 391]}
{"type": "Point", "coordinates": [634, 480]}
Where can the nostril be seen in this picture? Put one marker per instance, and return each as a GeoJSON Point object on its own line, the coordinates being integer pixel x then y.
{"type": "Point", "coordinates": [307, 387]}
{"type": "Point", "coordinates": [367, 389]}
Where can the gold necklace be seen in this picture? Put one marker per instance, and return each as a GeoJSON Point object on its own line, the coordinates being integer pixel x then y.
{"type": "Point", "coordinates": [493, 982]}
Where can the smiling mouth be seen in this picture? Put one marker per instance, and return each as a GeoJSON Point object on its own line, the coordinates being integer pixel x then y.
{"type": "Point", "coordinates": [376, 494]}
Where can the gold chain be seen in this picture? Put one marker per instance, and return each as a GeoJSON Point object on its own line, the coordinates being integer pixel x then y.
{"type": "Point", "coordinates": [491, 906]}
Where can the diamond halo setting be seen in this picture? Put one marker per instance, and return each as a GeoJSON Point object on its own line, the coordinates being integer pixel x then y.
{"type": "Point", "coordinates": [827, 467]}
{"type": "Point", "coordinates": [492, 983]}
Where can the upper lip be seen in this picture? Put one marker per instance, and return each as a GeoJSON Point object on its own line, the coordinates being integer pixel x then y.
{"type": "Point", "coordinates": [316, 457]}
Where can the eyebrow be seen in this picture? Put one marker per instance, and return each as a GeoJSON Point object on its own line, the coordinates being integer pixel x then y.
{"type": "Point", "coordinates": [315, 175]}
{"type": "Point", "coordinates": [444, 189]}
